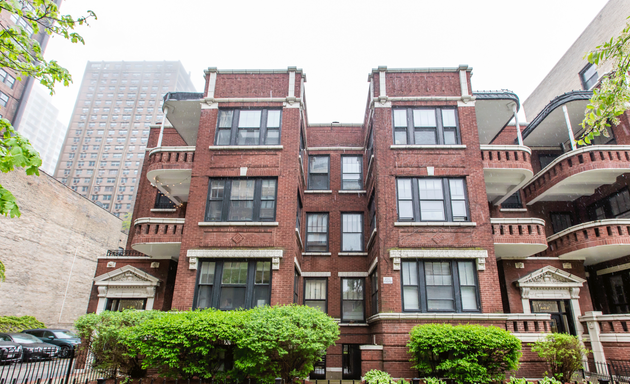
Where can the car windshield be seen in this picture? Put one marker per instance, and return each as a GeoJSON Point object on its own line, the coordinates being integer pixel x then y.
{"type": "Point", "coordinates": [64, 335]}
{"type": "Point", "coordinates": [25, 338]}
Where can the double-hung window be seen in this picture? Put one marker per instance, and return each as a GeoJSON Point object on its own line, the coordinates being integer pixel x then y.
{"type": "Point", "coordinates": [352, 232]}
{"type": "Point", "coordinates": [248, 127]}
{"type": "Point", "coordinates": [426, 126]}
{"type": "Point", "coordinates": [318, 171]}
{"type": "Point", "coordinates": [315, 294]}
{"type": "Point", "coordinates": [352, 300]}
{"type": "Point", "coordinates": [241, 200]}
{"type": "Point", "coordinates": [317, 232]}
{"type": "Point", "coordinates": [432, 199]}
{"type": "Point", "coordinates": [233, 284]}
{"type": "Point", "coordinates": [589, 76]}
{"type": "Point", "coordinates": [351, 172]}
{"type": "Point", "coordinates": [439, 286]}
{"type": "Point", "coordinates": [374, 284]}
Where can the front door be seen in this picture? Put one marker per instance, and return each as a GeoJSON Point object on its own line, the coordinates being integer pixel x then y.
{"type": "Point", "coordinates": [351, 361]}
{"type": "Point", "coordinates": [560, 311]}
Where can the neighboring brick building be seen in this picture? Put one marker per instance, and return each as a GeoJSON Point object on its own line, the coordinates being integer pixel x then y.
{"type": "Point", "coordinates": [433, 209]}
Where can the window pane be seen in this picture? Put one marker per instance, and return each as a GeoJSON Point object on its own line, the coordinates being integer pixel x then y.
{"type": "Point", "coordinates": [273, 137]}
{"type": "Point", "coordinates": [352, 289]}
{"type": "Point", "coordinates": [267, 209]}
{"type": "Point", "coordinates": [430, 189]}
{"type": "Point", "coordinates": [317, 223]}
{"type": "Point", "coordinates": [248, 136]}
{"type": "Point", "coordinates": [216, 189]}
{"type": "Point", "coordinates": [321, 305]}
{"type": "Point", "coordinates": [352, 311]}
{"type": "Point", "coordinates": [410, 298]}
{"type": "Point", "coordinates": [425, 137]}
{"type": "Point", "coordinates": [261, 296]}
{"type": "Point", "coordinates": [249, 119]}
{"type": "Point", "coordinates": [432, 210]}
{"type": "Point", "coordinates": [317, 242]}
{"type": "Point", "coordinates": [318, 164]}
{"type": "Point", "coordinates": [457, 189]}
{"type": "Point", "coordinates": [424, 118]}
{"type": "Point", "coordinates": [351, 182]}
{"type": "Point", "coordinates": [242, 190]}
{"type": "Point", "coordinates": [404, 189]}
{"type": "Point", "coordinates": [438, 273]}
{"type": "Point", "coordinates": [405, 210]}
{"type": "Point", "coordinates": [232, 297]}
{"type": "Point", "coordinates": [241, 210]}
{"type": "Point", "coordinates": [459, 210]}
{"type": "Point", "coordinates": [352, 222]}
{"type": "Point", "coordinates": [268, 190]}
{"type": "Point", "coordinates": [263, 272]}
{"type": "Point", "coordinates": [469, 298]}
{"type": "Point", "coordinates": [448, 118]}
{"type": "Point", "coordinates": [273, 119]}
{"type": "Point", "coordinates": [318, 181]}
{"type": "Point", "coordinates": [450, 137]}
{"type": "Point", "coordinates": [204, 296]}
{"type": "Point", "coordinates": [400, 118]}
{"type": "Point", "coordinates": [234, 272]}
{"type": "Point", "coordinates": [225, 119]}
{"type": "Point", "coordinates": [315, 290]}
{"type": "Point", "coordinates": [400, 137]}
{"type": "Point", "coordinates": [466, 273]}
{"type": "Point", "coordinates": [223, 138]}
{"type": "Point", "coordinates": [351, 164]}
{"type": "Point", "coordinates": [206, 276]}
{"type": "Point", "coordinates": [214, 210]}
{"type": "Point", "coordinates": [410, 273]}
{"type": "Point", "coordinates": [352, 242]}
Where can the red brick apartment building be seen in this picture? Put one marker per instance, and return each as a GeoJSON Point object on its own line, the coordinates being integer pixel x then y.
{"type": "Point", "coordinates": [433, 209]}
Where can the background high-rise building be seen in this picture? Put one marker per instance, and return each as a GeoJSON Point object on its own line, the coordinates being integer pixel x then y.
{"type": "Point", "coordinates": [41, 126]}
{"type": "Point", "coordinates": [107, 136]}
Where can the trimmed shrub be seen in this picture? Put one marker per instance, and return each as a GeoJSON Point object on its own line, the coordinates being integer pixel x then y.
{"type": "Point", "coordinates": [102, 336]}
{"type": "Point", "coordinates": [563, 353]}
{"type": "Point", "coordinates": [464, 353]}
{"type": "Point", "coordinates": [187, 344]}
{"type": "Point", "coordinates": [377, 377]}
{"type": "Point", "coordinates": [18, 324]}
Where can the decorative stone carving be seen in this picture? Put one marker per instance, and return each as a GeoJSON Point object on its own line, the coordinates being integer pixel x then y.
{"type": "Point", "coordinates": [150, 291]}
{"type": "Point", "coordinates": [575, 293]}
{"type": "Point", "coordinates": [127, 276]}
{"type": "Point", "coordinates": [396, 261]}
{"type": "Point", "coordinates": [479, 255]}
{"type": "Point", "coordinates": [275, 263]}
{"type": "Point", "coordinates": [102, 291]}
{"type": "Point", "coordinates": [525, 292]}
{"type": "Point", "coordinates": [192, 262]}
{"type": "Point", "coordinates": [550, 278]}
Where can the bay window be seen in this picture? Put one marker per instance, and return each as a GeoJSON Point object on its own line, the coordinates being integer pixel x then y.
{"type": "Point", "coordinates": [432, 199]}
{"type": "Point", "coordinates": [241, 200]}
{"type": "Point", "coordinates": [426, 126]}
{"type": "Point", "coordinates": [248, 127]}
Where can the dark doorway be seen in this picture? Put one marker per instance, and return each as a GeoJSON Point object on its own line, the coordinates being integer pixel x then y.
{"type": "Point", "coordinates": [351, 361]}
{"type": "Point", "coordinates": [561, 314]}
{"type": "Point", "coordinates": [319, 370]}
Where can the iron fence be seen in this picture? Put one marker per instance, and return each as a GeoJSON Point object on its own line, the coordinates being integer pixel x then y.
{"type": "Point", "coordinates": [614, 371]}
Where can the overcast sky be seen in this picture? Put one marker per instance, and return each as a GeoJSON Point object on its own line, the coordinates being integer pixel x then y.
{"type": "Point", "coordinates": [510, 44]}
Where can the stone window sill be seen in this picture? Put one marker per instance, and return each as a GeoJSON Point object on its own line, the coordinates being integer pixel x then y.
{"type": "Point", "coordinates": [398, 146]}
{"type": "Point", "coordinates": [163, 210]}
{"type": "Point", "coordinates": [317, 191]}
{"type": "Point", "coordinates": [245, 147]}
{"type": "Point", "coordinates": [352, 191]}
{"type": "Point", "coordinates": [352, 254]}
{"type": "Point", "coordinates": [238, 224]}
{"type": "Point", "coordinates": [435, 224]}
{"type": "Point", "coordinates": [316, 253]}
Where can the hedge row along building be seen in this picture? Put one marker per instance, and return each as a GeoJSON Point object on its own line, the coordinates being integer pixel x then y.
{"type": "Point", "coordinates": [435, 208]}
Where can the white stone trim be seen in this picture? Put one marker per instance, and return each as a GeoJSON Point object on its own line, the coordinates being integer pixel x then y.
{"type": "Point", "coordinates": [589, 224]}
{"type": "Point", "coordinates": [213, 81]}
{"type": "Point", "coordinates": [357, 191]}
{"type": "Point", "coordinates": [352, 254]}
{"type": "Point", "coordinates": [274, 254]}
{"type": "Point", "coordinates": [317, 191]}
{"type": "Point", "coordinates": [334, 148]}
{"type": "Point", "coordinates": [299, 237]}
{"type": "Point", "coordinates": [316, 253]}
{"type": "Point", "coordinates": [530, 337]}
{"type": "Point", "coordinates": [163, 210]}
{"type": "Point", "coordinates": [291, 91]}
{"type": "Point", "coordinates": [334, 369]}
{"type": "Point", "coordinates": [397, 254]}
{"type": "Point", "coordinates": [373, 265]}
{"type": "Point", "coordinates": [372, 236]}
{"type": "Point", "coordinates": [245, 147]}
{"type": "Point", "coordinates": [297, 265]}
{"type": "Point", "coordinates": [521, 148]}
{"type": "Point", "coordinates": [519, 220]}
{"type": "Point", "coordinates": [143, 286]}
{"type": "Point", "coordinates": [316, 274]}
{"type": "Point", "coordinates": [614, 338]}
{"type": "Point", "coordinates": [435, 224]}
{"type": "Point", "coordinates": [238, 223]}
{"type": "Point", "coordinates": [382, 82]}
{"type": "Point", "coordinates": [616, 268]}
{"type": "Point", "coordinates": [371, 347]}
{"type": "Point", "coordinates": [427, 146]}
{"type": "Point", "coordinates": [351, 324]}
{"type": "Point", "coordinates": [438, 316]}
{"type": "Point", "coordinates": [513, 209]}
{"type": "Point", "coordinates": [352, 274]}
{"type": "Point", "coordinates": [171, 149]}
{"type": "Point", "coordinates": [158, 220]}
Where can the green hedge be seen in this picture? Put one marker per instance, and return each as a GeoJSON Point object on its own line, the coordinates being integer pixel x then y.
{"type": "Point", "coordinates": [18, 324]}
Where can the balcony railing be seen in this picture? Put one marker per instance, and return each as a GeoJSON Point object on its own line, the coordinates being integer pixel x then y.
{"type": "Point", "coordinates": [528, 323]}
{"type": "Point", "coordinates": [506, 156]}
{"type": "Point", "coordinates": [594, 241]}
{"type": "Point", "coordinates": [518, 237]}
{"type": "Point", "coordinates": [158, 237]}
{"type": "Point", "coordinates": [578, 173]}
{"type": "Point", "coordinates": [506, 169]}
{"type": "Point", "coordinates": [125, 253]}
{"type": "Point", "coordinates": [172, 156]}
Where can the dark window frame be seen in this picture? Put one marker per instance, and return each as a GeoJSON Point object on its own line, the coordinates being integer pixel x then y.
{"type": "Point", "coordinates": [296, 286]}
{"type": "Point", "coordinates": [509, 204]}
{"type": "Point", "coordinates": [225, 200]}
{"type": "Point", "coordinates": [298, 218]}
{"type": "Point", "coordinates": [456, 287]}
{"type": "Point", "coordinates": [362, 242]}
{"type": "Point", "coordinates": [363, 320]}
{"type": "Point", "coordinates": [589, 83]}
{"type": "Point", "coordinates": [374, 291]}
{"type": "Point", "coordinates": [262, 134]}
{"type": "Point", "coordinates": [446, 199]}
{"type": "Point", "coordinates": [372, 213]}
{"type": "Point", "coordinates": [304, 300]}
{"type": "Point", "coordinates": [606, 204]}
{"type": "Point", "coordinates": [306, 245]}
{"type": "Point", "coordinates": [438, 129]}
{"type": "Point", "coordinates": [309, 173]}
{"type": "Point", "coordinates": [563, 213]}
{"type": "Point", "coordinates": [360, 157]}
{"type": "Point", "coordinates": [111, 300]}
{"type": "Point", "coordinates": [163, 202]}
{"type": "Point", "coordinates": [217, 284]}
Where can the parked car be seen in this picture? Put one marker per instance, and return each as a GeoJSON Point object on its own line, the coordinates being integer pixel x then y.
{"type": "Point", "coordinates": [32, 347]}
{"type": "Point", "coordinates": [64, 339]}
{"type": "Point", "coordinates": [10, 352]}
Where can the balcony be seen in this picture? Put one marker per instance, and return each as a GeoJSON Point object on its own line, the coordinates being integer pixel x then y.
{"type": "Point", "coordinates": [506, 168]}
{"type": "Point", "coordinates": [169, 169]}
{"type": "Point", "coordinates": [158, 238]}
{"type": "Point", "coordinates": [578, 173]}
{"type": "Point", "coordinates": [594, 241]}
{"type": "Point", "coordinates": [518, 238]}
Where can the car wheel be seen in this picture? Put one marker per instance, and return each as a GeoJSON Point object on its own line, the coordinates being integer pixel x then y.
{"type": "Point", "coordinates": [65, 352]}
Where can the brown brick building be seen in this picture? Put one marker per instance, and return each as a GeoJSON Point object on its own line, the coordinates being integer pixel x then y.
{"type": "Point", "coordinates": [433, 209]}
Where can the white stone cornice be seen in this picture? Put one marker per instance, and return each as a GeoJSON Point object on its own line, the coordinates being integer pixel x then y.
{"type": "Point", "coordinates": [479, 255]}
{"type": "Point", "coordinates": [352, 274]}
{"type": "Point", "coordinates": [316, 274]}
{"type": "Point", "coordinates": [274, 254]}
